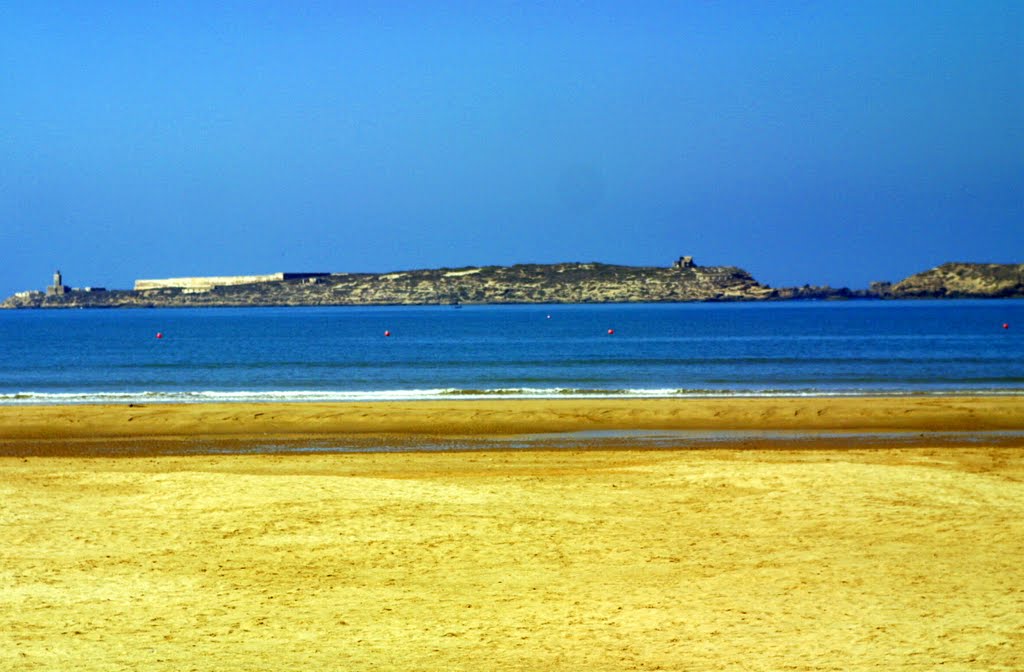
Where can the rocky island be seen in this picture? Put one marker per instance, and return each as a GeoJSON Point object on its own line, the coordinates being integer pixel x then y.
{"type": "Point", "coordinates": [683, 281]}
{"type": "Point", "coordinates": [963, 280]}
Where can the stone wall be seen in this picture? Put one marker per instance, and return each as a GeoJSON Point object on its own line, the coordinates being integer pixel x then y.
{"type": "Point", "coordinates": [207, 282]}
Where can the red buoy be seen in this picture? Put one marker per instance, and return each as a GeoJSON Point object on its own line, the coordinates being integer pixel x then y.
{"type": "Point", "coordinates": [159, 334]}
{"type": "Point", "coordinates": [611, 331]}
{"type": "Point", "coordinates": [1006, 325]}
{"type": "Point", "coordinates": [387, 333]}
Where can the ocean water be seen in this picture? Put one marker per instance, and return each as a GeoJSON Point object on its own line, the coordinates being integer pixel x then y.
{"type": "Point", "coordinates": [663, 350]}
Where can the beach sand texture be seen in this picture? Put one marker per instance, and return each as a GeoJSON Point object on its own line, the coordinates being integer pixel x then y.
{"type": "Point", "coordinates": [723, 558]}
{"type": "Point", "coordinates": [82, 429]}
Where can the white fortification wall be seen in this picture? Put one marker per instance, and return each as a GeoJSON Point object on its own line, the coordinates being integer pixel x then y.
{"type": "Point", "coordinates": [207, 282]}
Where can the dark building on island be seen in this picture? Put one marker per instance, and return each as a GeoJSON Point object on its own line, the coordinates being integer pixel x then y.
{"type": "Point", "coordinates": [57, 288]}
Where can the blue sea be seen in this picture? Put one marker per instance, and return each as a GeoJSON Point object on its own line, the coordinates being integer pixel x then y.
{"type": "Point", "coordinates": [527, 351]}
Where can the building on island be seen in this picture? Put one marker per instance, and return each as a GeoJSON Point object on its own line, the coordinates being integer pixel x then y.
{"type": "Point", "coordinates": [684, 262]}
{"type": "Point", "coordinates": [207, 283]}
{"type": "Point", "coordinates": [57, 288]}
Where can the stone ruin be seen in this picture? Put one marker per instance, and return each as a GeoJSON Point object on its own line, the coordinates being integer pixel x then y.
{"type": "Point", "coordinates": [57, 288]}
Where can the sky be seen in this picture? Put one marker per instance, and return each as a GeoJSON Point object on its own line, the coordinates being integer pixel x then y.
{"type": "Point", "coordinates": [807, 142]}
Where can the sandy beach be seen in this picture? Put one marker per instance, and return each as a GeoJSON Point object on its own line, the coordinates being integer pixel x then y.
{"type": "Point", "coordinates": [137, 429]}
{"type": "Point", "coordinates": [821, 556]}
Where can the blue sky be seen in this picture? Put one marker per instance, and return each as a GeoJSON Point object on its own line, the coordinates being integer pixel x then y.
{"type": "Point", "coordinates": [808, 142]}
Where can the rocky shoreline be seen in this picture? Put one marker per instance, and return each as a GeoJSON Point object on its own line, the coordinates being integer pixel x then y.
{"type": "Point", "coordinates": [530, 283]}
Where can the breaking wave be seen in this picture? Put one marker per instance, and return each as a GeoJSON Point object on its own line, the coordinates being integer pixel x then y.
{"type": "Point", "coordinates": [299, 396]}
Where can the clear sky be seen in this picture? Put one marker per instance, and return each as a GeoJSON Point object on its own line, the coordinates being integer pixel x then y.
{"type": "Point", "coordinates": [807, 142]}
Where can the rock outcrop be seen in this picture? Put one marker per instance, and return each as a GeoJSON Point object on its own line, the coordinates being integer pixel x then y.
{"type": "Point", "coordinates": [963, 280]}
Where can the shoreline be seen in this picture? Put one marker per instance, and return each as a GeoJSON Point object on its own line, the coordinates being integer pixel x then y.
{"type": "Point", "coordinates": [142, 398]}
{"type": "Point", "coordinates": [123, 429]}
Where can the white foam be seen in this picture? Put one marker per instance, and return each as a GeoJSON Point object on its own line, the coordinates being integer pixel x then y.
{"type": "Point", "coordinates": [448, 394]}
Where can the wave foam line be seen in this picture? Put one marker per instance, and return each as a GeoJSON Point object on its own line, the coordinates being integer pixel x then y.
{"type": "Point", "coordinates": [298, 396]}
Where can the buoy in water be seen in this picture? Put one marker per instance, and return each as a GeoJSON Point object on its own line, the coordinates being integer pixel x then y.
{"type": "Point", "coordinates": [1006, 325]}
{"type": "Point", "coordinates": [611, 331]}
{"type": "Point", "coordinates": [159, 334]}
{"type": "Point", "coordinates": [387, 333]}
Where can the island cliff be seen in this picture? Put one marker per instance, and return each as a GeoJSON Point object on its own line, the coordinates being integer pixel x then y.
{"type": "Point", "coordinates": [523, 283]}
{"type": "Point", "coordinates": [963, 280]}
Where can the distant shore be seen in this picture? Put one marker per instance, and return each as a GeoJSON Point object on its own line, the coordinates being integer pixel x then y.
{"type": "Point", "coordinates": [565, 283]}
{"type": "Point", "coordinates": [176, 428]}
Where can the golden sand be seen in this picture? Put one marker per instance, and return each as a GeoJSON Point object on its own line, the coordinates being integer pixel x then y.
{"type": "Point", "coordinates": [813, 559]}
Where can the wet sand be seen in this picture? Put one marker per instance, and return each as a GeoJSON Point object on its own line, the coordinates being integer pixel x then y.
{"type": "Point", "coordinates": [811, 558]}
{"type": "Point", "coordinates": [136, 429]}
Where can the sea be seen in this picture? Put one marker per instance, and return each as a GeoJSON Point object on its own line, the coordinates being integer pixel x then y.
{"type": "Point", "coordinates": [839, 348]}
